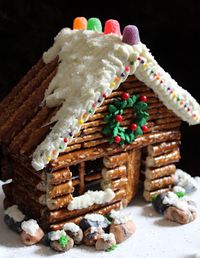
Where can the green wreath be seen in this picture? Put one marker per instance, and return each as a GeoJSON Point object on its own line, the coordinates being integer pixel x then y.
{"type": "Point", "coordinates": [114, 130]}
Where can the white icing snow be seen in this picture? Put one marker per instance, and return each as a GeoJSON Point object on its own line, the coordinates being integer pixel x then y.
{"type": "Point", "coordinates": [108, 237]}
{"type": "Point", "coordinates": [56, 235]}
{"type": "Point", "coordinates": [89, 64]}
{"type": "Point", "coordinates": [181, 203]}
{"type": "Point", "coordinates": [91, 197]}
{"type": "Point", "coordinates": [177, 189]}
{"type": "Point", "coordinates": [71, 227]}
{"type": "Point", "coordinates": [185, 180]}
{"type": "Point", "coordinates": [14, 213]}
{"type": "Point", "coordinates": [95, 217]}
{"type": "Point", "coordinates": [30, 226]}
{"type": "Point", "coordinates": [119, 217]}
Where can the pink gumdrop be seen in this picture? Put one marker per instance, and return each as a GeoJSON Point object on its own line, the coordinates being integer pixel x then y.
{"type": "Point", "coordinates": [112, 26]}
{"type": "Point", "coordinates": [131, 35]}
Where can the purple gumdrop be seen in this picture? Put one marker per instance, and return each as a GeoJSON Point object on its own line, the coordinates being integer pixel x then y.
{"type": "Point", "coordinates": [131, 35]}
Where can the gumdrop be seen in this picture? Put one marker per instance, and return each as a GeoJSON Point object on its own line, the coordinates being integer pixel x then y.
{"type": "Point", "coordinates": [112, 26]}
{"type": "Point", "coordinates": [94, 24]}
{"type": "Point", "coordinates": [80, 23]}
{"type": "Point", "coordinates": [131, 35]}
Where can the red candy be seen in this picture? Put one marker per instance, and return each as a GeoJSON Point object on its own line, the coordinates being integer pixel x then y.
{"type": "Point", "coordinates": [133, 127]}
{"type": "Point", "coordinates": [125, 95]}
{"type": "Point", "coordinates": [143, 98]}
{"type": "Point", "coordinates": [117, 139]}
{"type": "Point", "coordinates": [118, 118]}
{"type": "Point", "coordinates": [65, 140]}
{"type": "Point", "coordinates": [145, 128]}
{"type": "Point", "coordinates": [112, 26]}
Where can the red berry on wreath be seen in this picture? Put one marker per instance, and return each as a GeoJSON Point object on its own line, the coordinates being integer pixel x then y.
{"type": "Point", "coordinates": [117, 139]}
{"type": "Point", "coordinates": [133, 127]}
{"type": "Point", "coordinates": [145, 128]}
{"type": "Point", "coordinates": [143, 98]}
{"type": "Point", "coordinates": [125, 95]}
{"type": "Point", "coordinates": [118, 118]}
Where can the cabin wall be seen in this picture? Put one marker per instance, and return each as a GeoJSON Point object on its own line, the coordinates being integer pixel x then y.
{"type": "Point", "coordinates": [46, 194]}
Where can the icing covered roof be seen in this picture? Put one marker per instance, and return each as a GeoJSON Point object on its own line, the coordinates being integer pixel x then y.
{"type": "Point", "coordinates": [91, 66]}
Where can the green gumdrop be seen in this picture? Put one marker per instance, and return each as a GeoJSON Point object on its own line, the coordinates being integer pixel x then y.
{"type": "Point", "coordinates": [94, 24]}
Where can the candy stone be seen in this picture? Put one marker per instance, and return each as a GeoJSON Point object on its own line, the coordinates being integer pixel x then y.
{"type": "Point", "coordinates": [80, 23]}
{"type": "Point", "coordinates": [179, 216]}
{"type": "Point", "coordinates": [112, 26]}
{"type": "Point", "coordinates": [123, 231]}
{"type": "Point", "coordinates": [56, 246]}
{"type": "Point", "coordinates": [105, 241]}
{"type": "Point", "coordinates": [131, 35]}
{"type": "Point", "coordinates": [28, 239]}
{"type": "Point", "coordinates": [94, 24]}
{"type": "Point", "coordinates": [12, 224]}
{"type": "Point", "coordinates": [91, 235]}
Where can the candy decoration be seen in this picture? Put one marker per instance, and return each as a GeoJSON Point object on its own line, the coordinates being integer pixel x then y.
{"type": "Point", "coordinates": [145, 128]}
{"type": "Point", "coordinates": [125, 95]}
{"type": "Point", "coordinates": [112, 26]}
{"type": "Point", "coordinates": [117, 139]}
{"type": "Point", "coordinates": [114, 130]}
{"type": "Point", "coordinates": [133, 126]}
{"type": "Point", "coordinates": [131, 35]}
{"type": "Point", "coordinates": [94, 24]}
{"type": "Point", "coordinates": [80, 23]}
{"type": "Point", "coordinates": [118, 118]}
{"type": "Point", "coordinates": [65, 140]}
{"type": "Point", "coordinates": [143, 98]}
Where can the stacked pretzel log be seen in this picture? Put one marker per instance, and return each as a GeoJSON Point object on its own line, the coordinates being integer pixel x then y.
{"type": "Point", "coordinates": [45, 194]}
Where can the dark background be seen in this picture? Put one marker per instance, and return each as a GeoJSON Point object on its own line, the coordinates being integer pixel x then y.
{"type": "Point", "coordinates": [169, 28]}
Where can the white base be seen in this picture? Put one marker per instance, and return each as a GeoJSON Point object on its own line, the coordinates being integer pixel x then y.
{"type": "Point", "coordinates": [155, 237]}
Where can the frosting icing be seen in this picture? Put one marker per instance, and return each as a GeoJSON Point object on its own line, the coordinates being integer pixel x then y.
{"type": "Point", "coordinates": [119, 217]}
{"type": "Point", "coordinates": [71, 227]}
{"type": "Point", "coordinates": [30, 226]}
{"type": "Point", "coordinates": [91, 66]}
{"type": "Point", "coordinates": [56, 235]}
{"type": "Point", "coordinates": [108, 237]}
{"type": "Point", "coordinates": [14, 213]}
{"type": "Point", "coordinates": [181, 203]}
{"type": "Point", "coordinates": [91, 197]}
{"type": "Point", "coordinates": [95, 217]}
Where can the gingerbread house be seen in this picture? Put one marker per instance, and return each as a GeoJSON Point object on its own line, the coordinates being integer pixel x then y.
{"type": "Point", "coordinates": [85, 122]}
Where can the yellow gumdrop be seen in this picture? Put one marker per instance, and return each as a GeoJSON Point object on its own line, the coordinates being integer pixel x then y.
{"type": "Point", "coordinates": [80, 23]}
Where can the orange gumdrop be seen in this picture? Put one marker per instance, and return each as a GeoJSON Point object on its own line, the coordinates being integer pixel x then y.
{"type": "Point", "coordinates": [80, 23]}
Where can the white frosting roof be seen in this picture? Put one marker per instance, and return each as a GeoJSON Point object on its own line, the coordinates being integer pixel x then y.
{"type": "Point", "coordinates": [91, 66]}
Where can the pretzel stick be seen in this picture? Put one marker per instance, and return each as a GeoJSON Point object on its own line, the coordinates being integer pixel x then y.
{"type": "Point", "coordinates": [81, 170]}
{"type": "Point", "coordinates": [102, 211]}
{"type": "Point", "coordinates": [115, 160]}
{"type": "Point", "coordinates": [164, 147]}
{"type": "Point", "coordinates": [114, 184]}
{"type": "Point", "coordinates": [93, 176]}
{"type": "Point", "coordinates": [17, 100]}
{"type": "Point", "coordinates": [22, 83]}
{"type": "Point", "coordinates": [148, 195]}
{"type": "Point", "coordinates": [162, 160]}
{"type": "Point", "coordinates": [59, 190]}
{"type": "Point", "coordinates": [160, 172]}
{"type": "Point", "coordinates": [101, 151]}
{"type": "Point", "coordinates": [25, 112]}
{"type": "Point", "coordinates": [114, 173]}
{"type": "Point", "coordinates": [59, 176]}
{"type": "Point", "coordinates": [151, 185]}
{"type": "Point", "coordinates": [61, 214]}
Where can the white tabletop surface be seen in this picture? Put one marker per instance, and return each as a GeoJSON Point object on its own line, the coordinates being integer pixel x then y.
{"type": "Point", "coordinates": [155, 237]}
